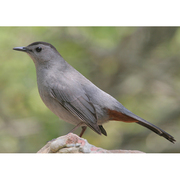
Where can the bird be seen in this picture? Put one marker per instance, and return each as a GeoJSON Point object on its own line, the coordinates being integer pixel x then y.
{"type": "Point", "coordinates": [74, 98]}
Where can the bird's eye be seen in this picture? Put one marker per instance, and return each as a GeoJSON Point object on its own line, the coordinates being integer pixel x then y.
{"type": "Point", "coordinates": [38, 49]}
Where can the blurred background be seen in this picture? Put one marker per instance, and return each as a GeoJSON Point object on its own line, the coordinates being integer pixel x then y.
{"type": "Point", "coordinates": [139, 66]}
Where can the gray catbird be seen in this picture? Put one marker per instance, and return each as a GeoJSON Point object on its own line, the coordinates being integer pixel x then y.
{"type": "Point", "coordinates": [75, 99]}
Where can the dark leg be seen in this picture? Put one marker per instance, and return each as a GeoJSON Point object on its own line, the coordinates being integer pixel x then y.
{"type": "Point", "coordinates": [75, 127]}
{"type": "Point", "coordinates": [83, 130]}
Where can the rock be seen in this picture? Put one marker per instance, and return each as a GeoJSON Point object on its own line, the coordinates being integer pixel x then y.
{"type": "Point", "coordinates": [71, 143]}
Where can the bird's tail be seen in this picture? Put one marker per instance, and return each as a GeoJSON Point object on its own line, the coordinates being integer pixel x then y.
{"type": "Point", "coordinates": [127, 116]}
{"type": "Point", "coordinates": [157, 130]}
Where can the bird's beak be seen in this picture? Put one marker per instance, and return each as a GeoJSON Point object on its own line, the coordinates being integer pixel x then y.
{"type": "Point", "coordinates": [24, 49]}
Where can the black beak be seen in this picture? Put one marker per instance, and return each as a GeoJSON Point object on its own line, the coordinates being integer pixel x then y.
{"type": "Point", "coordinates": [24, 49]}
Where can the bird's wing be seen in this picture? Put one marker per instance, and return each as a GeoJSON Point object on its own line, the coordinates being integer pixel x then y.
{"type": "Point", "coordinates": [77, 102]}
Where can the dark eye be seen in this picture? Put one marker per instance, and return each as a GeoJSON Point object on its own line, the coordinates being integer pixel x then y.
{"type": "Point", "coordinates": [38, 49]}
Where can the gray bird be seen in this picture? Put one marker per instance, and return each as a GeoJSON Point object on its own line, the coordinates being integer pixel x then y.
{"type": "Point", "coordinates": [75, 99]}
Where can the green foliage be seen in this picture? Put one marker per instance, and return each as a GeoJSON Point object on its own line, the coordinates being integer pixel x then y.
{"type": "Point", "coordinates": [138, 66]}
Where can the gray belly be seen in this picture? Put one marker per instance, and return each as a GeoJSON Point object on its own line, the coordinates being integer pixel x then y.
{"type": "Point", "coordinates": [59, 110]}
{"type": "Point", "coordinates": [64, 114]}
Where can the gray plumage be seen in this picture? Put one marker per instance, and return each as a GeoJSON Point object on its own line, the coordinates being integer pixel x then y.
{"type": "Point", "coordinates": [72, 97]}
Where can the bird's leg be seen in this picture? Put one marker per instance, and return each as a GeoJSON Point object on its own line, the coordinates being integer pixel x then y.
{"type": "Point", "coordinates": [78, 125]}
{"type": "Point", "coordinates": [83, 130]}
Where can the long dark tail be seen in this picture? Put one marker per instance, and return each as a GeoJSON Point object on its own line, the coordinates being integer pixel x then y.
{"type": "Point", "coordinates": [127, 116]}
{"type": "Point", "coordinates": [157, 130]}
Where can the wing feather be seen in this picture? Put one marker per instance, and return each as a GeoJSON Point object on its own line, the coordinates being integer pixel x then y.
{"type": "Point", "coordinates": [77, 103]}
